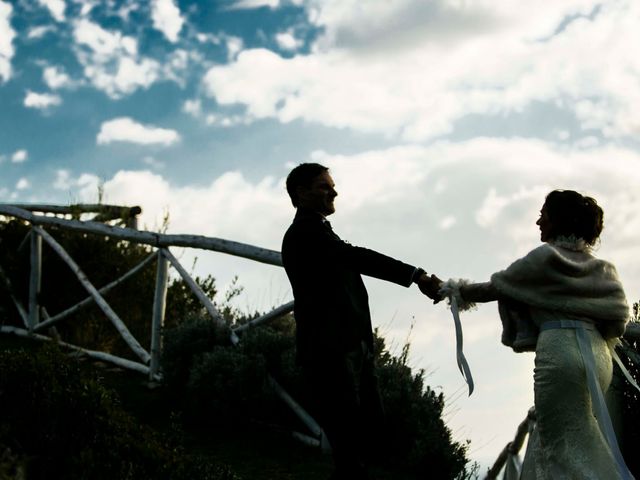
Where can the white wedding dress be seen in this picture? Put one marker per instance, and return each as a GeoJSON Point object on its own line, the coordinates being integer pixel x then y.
{"type": "Point", "coordinates": [567, 442]}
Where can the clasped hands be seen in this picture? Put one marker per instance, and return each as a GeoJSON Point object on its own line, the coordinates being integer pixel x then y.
{"type": "Point", "coordinates": [430, 286]}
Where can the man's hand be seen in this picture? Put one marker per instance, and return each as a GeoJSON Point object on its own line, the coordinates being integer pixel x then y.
{"type": "Point", "coordinates": [430, 286]}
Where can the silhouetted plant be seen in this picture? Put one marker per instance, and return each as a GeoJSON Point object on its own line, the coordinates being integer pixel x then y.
{"type": "Point", "coordinates": [227, 384]}
{"type": "Point", "coordinates": [61, 422]}
{"type": "Point", "coordinates": [631, 402]}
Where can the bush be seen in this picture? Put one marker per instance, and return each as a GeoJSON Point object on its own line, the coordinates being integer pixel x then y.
{"type": "Point", "coordinates": [415, 434]}
{"type": "Point", "coordinates": [226, 383]}
{"type": "Point", "coordinates": [631, 402]}
{"type": "Point", "coordinates": [59, 421]}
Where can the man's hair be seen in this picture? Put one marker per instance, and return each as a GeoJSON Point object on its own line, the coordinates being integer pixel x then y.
{"type": "Point", "coordinates": [571, 213]}
{"type": "Point", "coordinates": [302, 176]}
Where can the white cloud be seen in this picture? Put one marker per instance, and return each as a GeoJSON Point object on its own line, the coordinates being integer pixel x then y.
{"type": "Point", "coordinates": [192, 107]}
{"type": "Point", "coordinates": [153, 163]}
{"type": "Point", "coordinates": [7, 34]}
{"type": "Point", "coordinates": [447, 222]}
{"type": "Point", "coordinates": [111, 61]}
{"type": "Point", "coordinates": [477, 59]}
{"type": "Point", "coordinates": [124, 129]}
{"type": "Point", "coordinates": [23, 184]}
{"type": "Point", "coordinates": [63, 180]}
{"type": "Point", "coordinates": [227, 121]}
{"type": "Point", "coordinates": [288, 41]}
{"type": "Point", "coordinates": [234, 46]}
{"type": "Point", "coordinates": [167, 18]}
{"type": "Point", "coordinates": [39, 31]}
{"type": "Point", "coordinates": [251, 4]}
{"type": "Point", "coordinates": [208, 38]}
{"type": "Point", "coordinates": [55, 7]}
{"type": "Point", "coordinates": [41, 101]}
{"type": "Point", "coordinates": [19, 156]}
{"type": "Point", "coordinates": [86, 185]}
{"type": "Point", "coordinates": [56, 77]}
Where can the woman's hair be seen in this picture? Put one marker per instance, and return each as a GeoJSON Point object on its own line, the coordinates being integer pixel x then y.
{"type": "Point", "coordinates": [571, 213]}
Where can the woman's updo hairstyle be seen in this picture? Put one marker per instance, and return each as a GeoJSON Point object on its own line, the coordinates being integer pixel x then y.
{"type": "Point", "coordinates": [572, 214]}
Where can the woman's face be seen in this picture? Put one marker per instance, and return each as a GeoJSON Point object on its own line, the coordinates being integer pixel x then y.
{"type": "Point", "coordinates": [545, 224]}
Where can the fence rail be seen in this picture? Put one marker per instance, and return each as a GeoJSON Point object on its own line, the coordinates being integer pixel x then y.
{"type": "Point", "coordinates": [149, 363]}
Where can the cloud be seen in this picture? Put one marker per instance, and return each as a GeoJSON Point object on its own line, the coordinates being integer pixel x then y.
{"type": "Point", "coordinates": [166, 17]}
{"type": "Point", "coordinates": [251, 4]}
{"type": "Point", "coordinates": [55, 7]}
{"type": "Point", "coordinates": [288, 41]}
{"type": "Point", "coordinates": [7, 34]}
{"type": "Point", "coordinates": [227, 121]}
{"type": "Point", "coordinates": [23, 184]}
{"type": "Point", "coordinates": [63, 180]}
{"type": "Point", "coordinates": [234, 46]}
{"type": "Point", "coordinates": [40, 31]}
{"type": "Point", "coordinates": [473, 60]}
{"type": "Point", "coordinates": [41, 101]}
{"type": "Point", "coordinates": [56, 77]}
{"type": "Point", "coordinates": [19, 156]}
{"type": "Point", "coordinates": [192, 107]}
{"type": "Point", "coordinates": [153, 163]}
{"type": "Point", "coordinates": [447, 222]}
{"type": "Point", "coordinates": [124, 129]}
{"type": "Point", "coordinates": [111, 60]}
{"type": "Point", "coordinates": [86, 183]}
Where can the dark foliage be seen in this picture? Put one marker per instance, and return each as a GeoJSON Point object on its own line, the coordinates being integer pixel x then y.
{"type": "Point", "coordinates": [416, 435]}
{"type": "Point", "coordinates": [232, 380]}
{"type": "Point", "coordinates": [631, 400]}
{"type": "Point", "coordinates": [64, 423]}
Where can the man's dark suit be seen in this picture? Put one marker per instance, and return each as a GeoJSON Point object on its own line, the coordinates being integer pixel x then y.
{"type": "Point", "coordinates": [333, 329]}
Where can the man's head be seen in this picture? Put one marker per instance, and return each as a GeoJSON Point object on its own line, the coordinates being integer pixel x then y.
{"type": "Point", "coordinates": [310, 186]}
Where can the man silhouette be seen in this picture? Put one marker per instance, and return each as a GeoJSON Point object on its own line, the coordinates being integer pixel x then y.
{"type": "Point", "coordinates": [334, 337]}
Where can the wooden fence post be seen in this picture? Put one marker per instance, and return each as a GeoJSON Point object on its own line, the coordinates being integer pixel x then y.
{"type": "Point", "coordinates": [159, 305]}
{"type": "Point", "coordinates": [35, 279]}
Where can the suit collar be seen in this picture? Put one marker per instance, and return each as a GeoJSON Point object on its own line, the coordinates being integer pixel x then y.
{"type": "Point", "coordinates": [307, 214]}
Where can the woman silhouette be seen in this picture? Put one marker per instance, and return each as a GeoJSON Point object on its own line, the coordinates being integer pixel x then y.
{"type": "Point", "coordinates": [570, 308]}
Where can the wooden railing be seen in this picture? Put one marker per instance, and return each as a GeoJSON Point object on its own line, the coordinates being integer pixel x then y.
{"type": "Point", "coordinates": [36, 319]}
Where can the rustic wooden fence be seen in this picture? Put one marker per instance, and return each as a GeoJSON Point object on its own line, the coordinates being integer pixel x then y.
{"type": "Point", "coordinates": [37, 320]}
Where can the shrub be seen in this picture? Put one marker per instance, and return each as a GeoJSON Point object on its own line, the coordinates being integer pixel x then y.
{"type": "Point", "coordinates": [59, 416]}
{"type": "Point", "coordinates": [226, 383]}
{"type": "Point", "coordinates": [630, 400]}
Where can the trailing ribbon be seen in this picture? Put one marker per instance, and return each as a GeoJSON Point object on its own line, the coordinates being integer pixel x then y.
{"type": "Point", "coordinates": [463, 366]}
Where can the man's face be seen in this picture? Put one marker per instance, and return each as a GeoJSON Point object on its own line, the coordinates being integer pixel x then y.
{"type": "Point", "coordinates": [319, 195]}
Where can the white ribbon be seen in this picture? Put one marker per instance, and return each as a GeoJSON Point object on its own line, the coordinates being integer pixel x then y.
{"type": "Point", "coordinates": [463, 366]}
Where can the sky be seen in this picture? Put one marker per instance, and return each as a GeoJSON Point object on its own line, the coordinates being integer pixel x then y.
{"type": "Point", "coordinates": [444, 123]}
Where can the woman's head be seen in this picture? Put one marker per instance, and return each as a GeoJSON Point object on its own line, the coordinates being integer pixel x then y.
{"type": "Point", "coordinates": [566, 213]}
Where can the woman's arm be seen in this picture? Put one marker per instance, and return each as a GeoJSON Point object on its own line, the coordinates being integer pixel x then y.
{"type": "Point", "coordinates": [479, 292]}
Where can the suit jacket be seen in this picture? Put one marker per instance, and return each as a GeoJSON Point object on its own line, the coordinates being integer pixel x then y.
{"type": "Point", "coordinates": [331, 302]}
